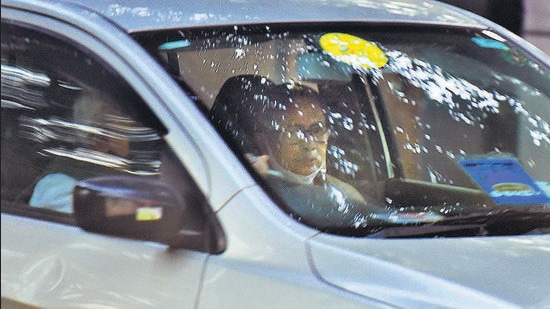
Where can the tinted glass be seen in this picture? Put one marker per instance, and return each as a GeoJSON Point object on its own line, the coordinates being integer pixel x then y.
{"type": "Point", "coordinates": [66, 117]}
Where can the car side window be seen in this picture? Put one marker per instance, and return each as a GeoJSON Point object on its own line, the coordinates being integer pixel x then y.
{"type": "Point", "coordinates": [67, 117]}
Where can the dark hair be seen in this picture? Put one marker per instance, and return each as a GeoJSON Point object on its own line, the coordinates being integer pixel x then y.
{"type": "Point", "coordinates": [248, 104]}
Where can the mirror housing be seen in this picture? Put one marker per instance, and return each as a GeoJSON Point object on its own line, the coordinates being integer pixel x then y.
{"type": "Point", "coordinates": [147, 209]}
{"type": "Point", "coordinates": [319, 66]}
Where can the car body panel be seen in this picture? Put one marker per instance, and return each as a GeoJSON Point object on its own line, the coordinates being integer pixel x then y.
{"type": "Point", "coordinates": [271, 259]}
{"type": "Point", "coordinates": [72, 273]}
{"type": "Point", "coordinates": [267, 261]}
{"type": "Point", "coordinates": [484, 271]}
{"type": "Point", "coordinates": [140, 15]}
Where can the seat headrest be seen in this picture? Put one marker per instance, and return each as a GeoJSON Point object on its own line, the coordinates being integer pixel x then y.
{"type": "Point", "coordinates": [235, 106]}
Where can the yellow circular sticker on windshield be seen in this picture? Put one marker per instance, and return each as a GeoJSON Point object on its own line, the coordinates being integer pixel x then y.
{"type": "Point", "coordinates": [353, 50]}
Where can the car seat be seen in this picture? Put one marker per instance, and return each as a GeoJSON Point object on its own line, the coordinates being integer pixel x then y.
{"type": "Point", "coordinates": [235, 109]}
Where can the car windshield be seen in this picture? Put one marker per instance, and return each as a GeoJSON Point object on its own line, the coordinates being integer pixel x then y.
{"type": "Point", "coordinates": [354, 130]}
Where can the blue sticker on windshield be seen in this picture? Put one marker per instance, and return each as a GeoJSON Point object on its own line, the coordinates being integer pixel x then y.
{"type": "Point", "coordinates": [490, 43]}
{"type": "Point", "coordinates": [505, 181]}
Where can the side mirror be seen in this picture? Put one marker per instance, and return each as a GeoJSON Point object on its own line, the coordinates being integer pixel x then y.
{"type": "Point", "coordinates": [146, 209]}
{"type": "Point", "coordinates": [317, 66]}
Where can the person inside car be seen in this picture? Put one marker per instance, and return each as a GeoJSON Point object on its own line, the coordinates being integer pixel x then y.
{"type": "Point", "coordinates": [54, 189]}
{"type": "Point", "coordinates": [292, 135]}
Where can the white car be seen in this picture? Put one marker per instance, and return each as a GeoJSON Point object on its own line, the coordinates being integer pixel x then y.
{"type": "Point", "coordinates": [271, 154]}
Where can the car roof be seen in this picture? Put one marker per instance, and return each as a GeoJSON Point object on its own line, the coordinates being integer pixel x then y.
{"type": "Point", "coordinates": [142, 15]}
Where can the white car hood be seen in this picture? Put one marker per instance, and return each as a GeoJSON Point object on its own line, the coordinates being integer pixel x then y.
{"type": "Point", "coordinates": [480, 272]}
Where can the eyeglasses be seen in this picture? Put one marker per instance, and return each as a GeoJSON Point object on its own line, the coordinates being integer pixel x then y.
{"type": "Point", "coordinates": [318, 133]}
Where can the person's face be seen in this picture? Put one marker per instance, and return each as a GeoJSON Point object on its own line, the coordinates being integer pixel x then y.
{"type": "Point", "coordinates": [303, 138]}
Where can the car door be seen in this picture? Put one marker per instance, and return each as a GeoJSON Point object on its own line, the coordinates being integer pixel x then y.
{"type": "Point", "coordinates": [72, 109]}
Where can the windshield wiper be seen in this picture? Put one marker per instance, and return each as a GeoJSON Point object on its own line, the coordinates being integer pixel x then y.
{"type": "Point", "coordinates": [492, 223]}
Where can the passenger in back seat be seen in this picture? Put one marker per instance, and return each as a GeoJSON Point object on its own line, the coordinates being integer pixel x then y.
{"type": "Point", "coordinates": [54, 190]}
